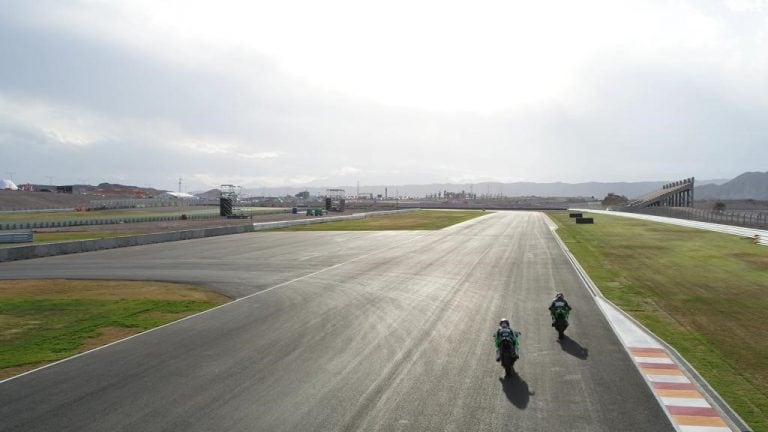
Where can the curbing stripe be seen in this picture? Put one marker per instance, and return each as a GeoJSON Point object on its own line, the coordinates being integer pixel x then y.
{"type": "Point", "coordinates": [685, 428]}
{"type": "Point", "coordinates": [651, 371]}
{"type": "Point", "coordinates": [693, 402]}
{"type": "Point", "coordinates": [682, 402]}
{"type": "Point", "coordinates": [665, 360]}
{"type": "Point", "coordinates": [692, 411]}
{"type": "Point", "coordinates": [684, 420]}
{"type": "Point", "coordinates": [646, 365]}
{"type": "Point", "coordinates": [667, 379]}
{"type": "Point", "coordinates": [685, 394]}
{"type": "Point", "coordinates": [673, 386]}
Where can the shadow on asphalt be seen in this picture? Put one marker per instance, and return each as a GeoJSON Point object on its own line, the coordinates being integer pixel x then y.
{"type": "Point", "coordinates": [516, 390]}
{"type": "Point", "coordinates": [573, 348]}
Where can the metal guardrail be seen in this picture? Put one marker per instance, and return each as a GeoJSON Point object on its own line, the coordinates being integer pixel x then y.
{"type": "Point", "coordinates": [121, 220]}
{"type": "Point", "coordinates": [741, 218]}
{"type": "Point", "coordinates": [25, 237]}
{"type": "Point", "coordinates": [761, 239]}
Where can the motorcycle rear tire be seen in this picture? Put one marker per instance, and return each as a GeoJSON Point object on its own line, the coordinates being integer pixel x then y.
{"type": "Point", "coordinates": [560, 325]}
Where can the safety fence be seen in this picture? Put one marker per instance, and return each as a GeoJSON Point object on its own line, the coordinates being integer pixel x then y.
{"type": "Point", "coordinates": [125, 203]}
{"type": "Point", "coordinates": [125, 220]}
{"type": "Point", "coordinates": [742, 218]}
{"type": "Point", "coordinates": [758, 236]}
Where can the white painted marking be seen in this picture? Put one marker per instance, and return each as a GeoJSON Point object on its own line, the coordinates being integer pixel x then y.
{"type": "Point", "coordinates": [630, 334]}
{"type": "Point", "coordinates": [704, 429]}
{"type": "Point", "coordinates": [669, 378]}
{"type": "Point", "coordinates": [686, 402]}
{"type": "Point", "coordinates": [664, 360]}
{"type": "Point", "coordinates": [308, 256]}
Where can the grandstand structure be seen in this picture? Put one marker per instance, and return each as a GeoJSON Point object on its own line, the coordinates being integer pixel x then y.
{"type": "Point", "coordinates": [674, 194]}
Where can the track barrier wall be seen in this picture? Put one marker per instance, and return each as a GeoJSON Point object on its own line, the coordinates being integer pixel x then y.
{"type": "Point", "coordinates": [51, 249]}
{"type": "Point", "coordinates": [742, 218]}
{"type": "Point", "coordinates": [120, 220]}
{"type": "Point", "coordinates": [63, 248]}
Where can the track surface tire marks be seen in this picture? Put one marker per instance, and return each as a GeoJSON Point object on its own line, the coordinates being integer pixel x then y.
{"type": "Point", "coordinates": [398, 337]}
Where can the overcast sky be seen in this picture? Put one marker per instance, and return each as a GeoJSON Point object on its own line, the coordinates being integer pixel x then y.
{"type": "Point", "coordinates": [327, 93]}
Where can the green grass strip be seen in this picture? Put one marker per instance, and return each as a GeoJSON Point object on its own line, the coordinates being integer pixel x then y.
{"type": "Point", "coordinates": [34, 331]}
{"type": "Point", "coordinates": [42, 321]}
{"type": "Point", "coordinates": [418, 220]}
{"type": "Point", "coordinates": [704, 293]}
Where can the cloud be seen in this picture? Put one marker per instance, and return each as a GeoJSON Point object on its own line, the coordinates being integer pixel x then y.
{"type": "Point", "coordinates": [148, 92]}
{"type": "Point", "coordinates": [347, 170]}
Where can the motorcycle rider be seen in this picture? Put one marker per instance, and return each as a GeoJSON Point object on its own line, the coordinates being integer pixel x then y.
{"type": "Point", "coordinates": [559, 302]}
{"type": "Point", "coordinates": [505, 332]}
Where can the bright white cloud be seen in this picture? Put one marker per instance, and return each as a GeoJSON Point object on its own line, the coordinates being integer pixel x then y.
{"type": "Point", "coordinates": [436, 55]}
{"type": "Point", "coordinates": [226, 149]}
{"type": "Point", "coordinates": [214, 180]}
{"type": "Point", "coordinates": [59, 124]}
{"type": "Point", "coordinates": [347, 170]}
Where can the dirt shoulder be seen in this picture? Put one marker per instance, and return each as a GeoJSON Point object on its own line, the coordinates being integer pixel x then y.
{"type": "Point", "coordinates": [19, 200]}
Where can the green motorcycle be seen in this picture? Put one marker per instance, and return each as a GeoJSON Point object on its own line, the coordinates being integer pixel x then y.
{"type": "Point", "coordinates": [561, 321]}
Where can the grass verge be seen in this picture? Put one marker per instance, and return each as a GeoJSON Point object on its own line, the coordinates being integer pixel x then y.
{"type": "Point", "coordinates": [418, 220]}
{"type": "Point", "coordinates": [703, 292]}
{"type": "Point", "coordinates": [42, 321]}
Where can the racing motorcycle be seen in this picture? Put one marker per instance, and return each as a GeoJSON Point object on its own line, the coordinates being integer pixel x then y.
{"type": "Point", "coordinates": [561, 322]}
{"type": "Point", "coordinates": [510, 353]}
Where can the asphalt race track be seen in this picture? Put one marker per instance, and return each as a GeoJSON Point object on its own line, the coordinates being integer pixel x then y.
{"type": "Point", "coordinates": [343, 331]}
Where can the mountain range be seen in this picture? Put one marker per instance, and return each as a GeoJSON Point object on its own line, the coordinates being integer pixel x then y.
{"type": "Point", "coordinates": [750, 185]}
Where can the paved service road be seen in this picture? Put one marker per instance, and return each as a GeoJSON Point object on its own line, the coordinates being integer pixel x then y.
{"type": "Point", "coordinates": [382, 331]}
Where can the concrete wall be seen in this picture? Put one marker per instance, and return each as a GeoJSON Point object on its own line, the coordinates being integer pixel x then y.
{"type": "Point", "coordinates": [51, 249]}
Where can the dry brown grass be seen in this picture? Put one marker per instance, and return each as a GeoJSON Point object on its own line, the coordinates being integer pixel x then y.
{"type": "Point", "coordinates": [108, 335]}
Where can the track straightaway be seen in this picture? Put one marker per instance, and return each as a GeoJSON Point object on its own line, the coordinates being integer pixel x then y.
{"type": "Point", "coordinates": [385, 331]}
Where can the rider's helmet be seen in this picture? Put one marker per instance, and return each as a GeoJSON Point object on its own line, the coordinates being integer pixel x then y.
{"type": "Point", "coordinates": [504, 323]}
{"type": "Point", "coordinates": [559, 296]}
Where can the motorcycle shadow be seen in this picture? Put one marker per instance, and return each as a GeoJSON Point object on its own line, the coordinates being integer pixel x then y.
{"type": "Point", "coordinates": [573, 348]}
{"type": "Point", "coordinates": [516, 390]}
